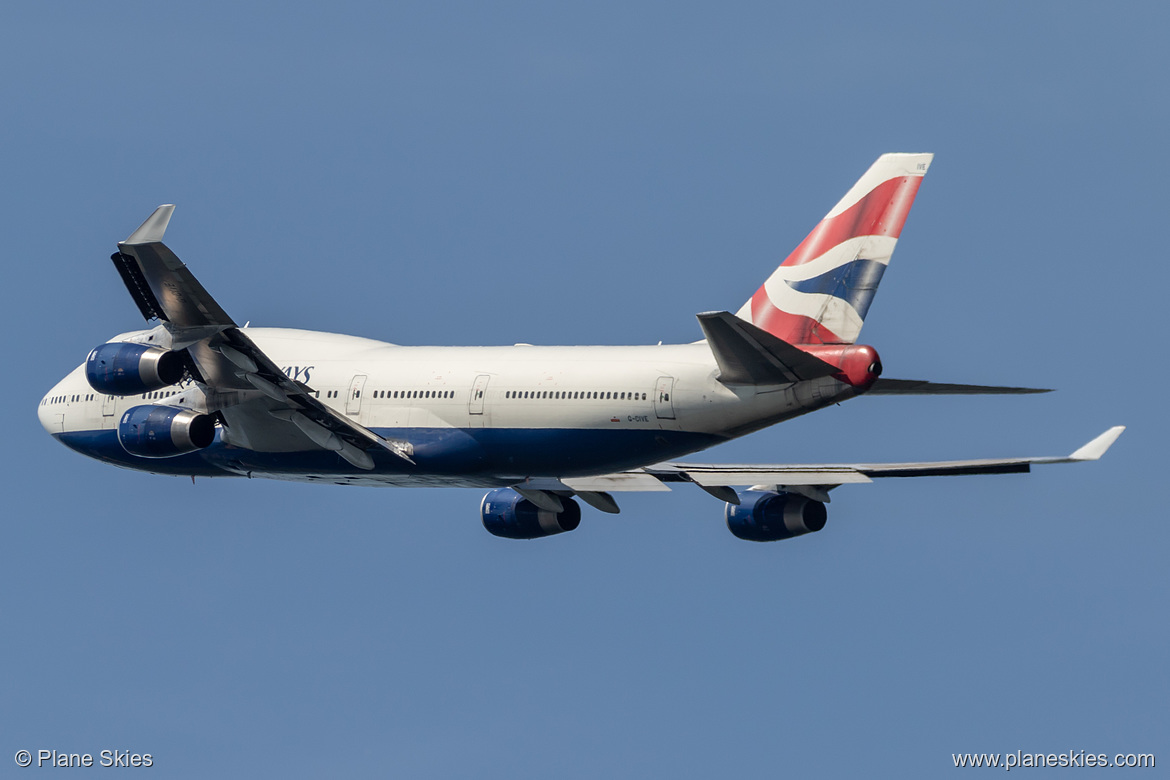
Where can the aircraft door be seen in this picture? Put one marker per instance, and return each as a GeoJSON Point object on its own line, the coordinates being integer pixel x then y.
{"type": "Point", "coordinates": [109, 407]}
{"type": "Point", "coordinates": [663, 403]}
{"type": "Point", "coordinates": [478, 395]}
{"type": "Point", "coordinates": [353, 402]}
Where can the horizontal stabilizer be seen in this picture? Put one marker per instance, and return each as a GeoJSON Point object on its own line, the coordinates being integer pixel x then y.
{"type": "Point", "coordinates": [747, 355]}
{"type": "Point", "coordinates": [922, 387]}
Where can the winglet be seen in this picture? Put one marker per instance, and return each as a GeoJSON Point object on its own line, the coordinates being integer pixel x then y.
{"type": "Point", "coordinates": [1097, 447]}
{"type": "Point", "coordinates": [153, 228]}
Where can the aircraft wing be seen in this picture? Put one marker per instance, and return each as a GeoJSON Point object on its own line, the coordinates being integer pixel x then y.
{"type": "Point", "coordinates": [812, 480]}
{"type": "Point", "coordinates": [828, 476]}
{"type": "Point", "coordinates": [262, 408]}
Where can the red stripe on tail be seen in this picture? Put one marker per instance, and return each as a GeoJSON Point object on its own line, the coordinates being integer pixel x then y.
{"type": "Point", "coordinates": [882, 212]}
{"type": "Point", "coordinates": [793, 328]}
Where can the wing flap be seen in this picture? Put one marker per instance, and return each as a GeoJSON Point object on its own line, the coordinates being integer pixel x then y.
{"type": "Point", "coordinates": [626, 481]}
{"type": "Point", "coordinates": [727, 476]}
{"type": "Point", "coordinates": [136, 285]}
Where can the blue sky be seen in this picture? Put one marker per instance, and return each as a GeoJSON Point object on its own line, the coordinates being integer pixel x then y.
{"type": "Point", "coordinates": [454, 173]}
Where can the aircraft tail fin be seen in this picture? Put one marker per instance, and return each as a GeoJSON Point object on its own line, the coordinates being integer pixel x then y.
{"type": "Point", "coordinates": [821, 293]}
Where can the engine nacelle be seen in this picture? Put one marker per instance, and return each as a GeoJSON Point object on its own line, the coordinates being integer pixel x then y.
{"type": "Point", "coordinates": [508, 514]}
{"type": "Point", "coordinates": [164, 431]}
{"type": "Point", "coordinates": [764, 516]}
{"type": "Point", "coordinates": [120, 368]}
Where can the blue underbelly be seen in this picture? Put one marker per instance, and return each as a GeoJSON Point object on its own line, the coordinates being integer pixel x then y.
{"type": "Point", "coordinates": [472, 452]}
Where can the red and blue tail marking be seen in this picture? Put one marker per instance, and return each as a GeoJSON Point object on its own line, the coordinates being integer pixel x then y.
{"type": "Point", "coordinates": [821, 293]}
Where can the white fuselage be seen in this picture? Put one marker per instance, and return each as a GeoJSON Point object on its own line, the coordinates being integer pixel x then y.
{"type": "Point", "coordinates": [475, 415]}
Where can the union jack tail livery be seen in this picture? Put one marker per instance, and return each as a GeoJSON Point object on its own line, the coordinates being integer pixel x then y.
{"type": "Point", "coordinates": [822, 291]}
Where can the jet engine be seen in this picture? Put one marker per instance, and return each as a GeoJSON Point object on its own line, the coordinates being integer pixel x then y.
{"type": "Point", "coordinates": [164, 431]}
{"type": "Point", "coordinates": [508, 514]}
{"type": "Point", "coordinates": [764, 516]}
{"type": "Point", "coordinates": [119, 368]}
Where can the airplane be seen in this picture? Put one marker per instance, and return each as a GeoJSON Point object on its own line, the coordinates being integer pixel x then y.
{"type": "Point", "coordinates": [539, 426]}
